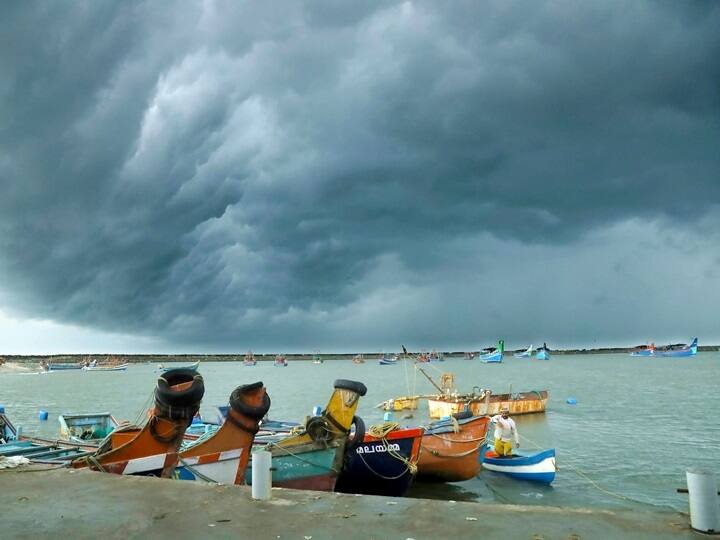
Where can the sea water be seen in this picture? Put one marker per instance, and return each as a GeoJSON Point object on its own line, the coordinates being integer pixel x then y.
{"type": "Point", "coordinates": [638, 423]}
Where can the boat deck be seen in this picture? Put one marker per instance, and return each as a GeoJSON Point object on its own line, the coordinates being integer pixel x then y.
{"type": "Point", "coordinates": [155, 508]}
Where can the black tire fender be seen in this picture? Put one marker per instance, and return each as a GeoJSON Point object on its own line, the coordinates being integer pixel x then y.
{"type": "Point", "coordinates": [237, 403]}
{"type": "Point", "coordinates": [354, 386]}
{"type": "Point", "coordinates": [182, 398]}
{"type": "Point", "coordinates": [462, 415]}
{"type": "Point", "coordinates": [359, 435]}
{"type": "Point", "coordinates": [319, 429]}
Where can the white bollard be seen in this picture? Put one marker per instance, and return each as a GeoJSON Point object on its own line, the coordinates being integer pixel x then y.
{"type": "Point", "coordinates": [261, 474]}
{"type": "Point", "coordinates": [702, 490]}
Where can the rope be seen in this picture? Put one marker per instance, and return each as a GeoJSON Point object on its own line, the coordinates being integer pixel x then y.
{"type": "Point", "coordinates": [197, 473]}
{"type": "Point", "coordinates": [460, 455]}
{"type": "Point", "coordinates": [380, 431]}
{"type": "Point", "coordinates": [586, 477]}
{"type": "Point", "coordinates": [97, 464]}
{"type": "Point", "coordinates": [448, 439]}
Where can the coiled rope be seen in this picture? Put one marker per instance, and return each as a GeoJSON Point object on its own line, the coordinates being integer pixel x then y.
{"type": "Point", "coordinates": [381, 431]}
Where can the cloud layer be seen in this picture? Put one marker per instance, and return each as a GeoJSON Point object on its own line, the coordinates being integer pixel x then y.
{"type": "Point", "coordinates": [221, 175]}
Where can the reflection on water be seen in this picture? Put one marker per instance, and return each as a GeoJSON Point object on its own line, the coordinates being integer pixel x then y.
{"type": "Point", "coordinates": [639, 423]}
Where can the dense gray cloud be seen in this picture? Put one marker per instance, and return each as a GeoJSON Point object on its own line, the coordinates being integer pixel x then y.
{"type": "Point", "coordinates": [227, 175]}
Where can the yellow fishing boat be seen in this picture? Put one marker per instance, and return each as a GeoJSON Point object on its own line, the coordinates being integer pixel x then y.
{"type": "Point", "coordinates": [487, 403]}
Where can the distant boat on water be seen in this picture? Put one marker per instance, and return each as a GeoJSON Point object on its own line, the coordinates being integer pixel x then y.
{"type": "Point", "coordinates": [249, 359]}
{"type": "Point", "coordinates": [192, 367]}
{"type": "Point", "coordinates": [543, 353]}
{"type": "Point", "coordinates": [682, 349]}
{"type": "Point", "coordinates": [494, 355]}
{"type": "Point", "coordinates": [527, 353]}
{"type": "Point", "coordinates": [644, 350]}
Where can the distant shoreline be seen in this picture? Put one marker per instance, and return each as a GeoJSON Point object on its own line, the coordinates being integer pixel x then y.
{"type": "Point", "coordinates": [190, 358]}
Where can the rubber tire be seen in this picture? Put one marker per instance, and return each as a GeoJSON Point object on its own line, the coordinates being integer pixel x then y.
{"type": "Point", "coordinates": [319, 429]}
{"type": "Point", "coordinates": [238, 404]}
{"type": "Point", "coordinates": [358, 437]}
{"type": "Point", "coordinates": [354, 386]}
{"type": "Point", "coordinates": [183, 398]}
{"type": "Point", "coordinates": [462, 415]}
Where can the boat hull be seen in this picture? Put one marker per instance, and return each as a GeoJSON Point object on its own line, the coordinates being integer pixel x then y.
{"type": "Point", "coordinates": [542, 355]}
{"type": "Point", "coordinates": [87, 428]}
{"type": "Point", "coordinates": [122, 367]}
{"type": "Point", "coordinates": [522, 403]}
{"type": "Point", "coordinates": [63, 367]}
{"type": "Point", "coordinates": [539, 467]}
{"type": "Point", "coordinates": [449, 456]}
{"type": "Point", "coordinates": [374, 467]}
{"type": "Point", "coordinates": [313, 468]}
{"type": "Point", "coordinates": [492, 358]}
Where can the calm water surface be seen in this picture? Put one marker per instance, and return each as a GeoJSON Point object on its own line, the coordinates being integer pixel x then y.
{"type": "Point", "coordinates": [638, 425]}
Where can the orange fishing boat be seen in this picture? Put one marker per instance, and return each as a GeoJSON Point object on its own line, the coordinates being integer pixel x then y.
{"type": "Point", "coordinates": [450, 449]}
{"type": "Point", "coordinates": [153, 449]}
{"type": "Point", "coordinates": [223, 456]}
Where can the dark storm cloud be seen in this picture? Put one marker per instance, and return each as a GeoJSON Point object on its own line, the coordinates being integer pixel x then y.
{"type": "Point", "coordinates": [226, 173]}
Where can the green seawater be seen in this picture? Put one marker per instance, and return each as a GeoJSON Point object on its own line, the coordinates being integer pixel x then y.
{"type": "Point", "coordinates": [638, 425]}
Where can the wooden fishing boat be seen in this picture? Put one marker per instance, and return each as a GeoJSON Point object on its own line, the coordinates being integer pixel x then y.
{"type": "Point", "coordinates": [121, 367]}
{"type": "Point", "coordinates": [401, 403]}
{"type": "Point", "coordinates": [383, 464]}
{"type": "Point", "coordinates": [644, 350]}
{"type": "Point", "coordinates": [312, 457]}
{"type": "Point", "coordinates": [538, 467]}
{"type": "Point", "coordinates": [191, 367]}
{"type": "Point", "coordinates": [222, 455]}
{"type": "Point", "coordinates": [37, 449]}
{"type": "Point", "coordinates": [543, 353]}
{"type": "Point", "coordinates": [249, 359]}
{"type": "Point", "coordinates": [527, 353]}
{"type": "Point", "coordinates": [358, 359]}
{"type": "Point", "coordinates": [434, 356]}
{"type": "Point", "coordinates": [280, 361]}
{"type": "Point", "coordinates": [495, 355]}
{"type": "Point", "coordinates": [450, 449]}
{"type": "Point", "coordinates": [152, 450]}
{"type": "Point", "coordinates": [485, 403]}
{"type": "Point", "coordinates": [683, 350]}
{"type": "Point", "coordinates": [87, 428]}
{"type": "Point", "coordinates": [60, 366]}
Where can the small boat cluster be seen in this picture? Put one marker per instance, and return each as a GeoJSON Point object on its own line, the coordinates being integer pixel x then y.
{"type": "Point", "coordinates": [677, 350]}
{"type": "Point", "coordinates": [331, 450]}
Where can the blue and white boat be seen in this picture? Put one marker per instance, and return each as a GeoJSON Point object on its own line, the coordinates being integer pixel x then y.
{"type": "Point", "coordinates": [388, 360]}
{"type": "Point", "coordinates": [538, 467]}
{"type": "Point", "coordinates": [193, 367]}
{"type": "Point", "coordinates": [543, 353]}
{"type": "Point", "coordinates": [494, 356]}
{"type": "Point", "coordinates": [687, 350]}
{"type": "Point", "coordinates": [527, 353]}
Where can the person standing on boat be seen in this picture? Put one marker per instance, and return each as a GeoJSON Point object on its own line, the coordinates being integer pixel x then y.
{"type": "Point", "coordinates": [505, 433]}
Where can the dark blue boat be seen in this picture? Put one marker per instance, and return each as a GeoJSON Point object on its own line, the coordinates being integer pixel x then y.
{"type": "Point", "coordinates": [384, 466]}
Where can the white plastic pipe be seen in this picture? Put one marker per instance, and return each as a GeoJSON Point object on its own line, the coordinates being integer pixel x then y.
{"type": "Point", "coordinates": [702, 491]}
{"type": "Point", "coordinates": [261, 474]}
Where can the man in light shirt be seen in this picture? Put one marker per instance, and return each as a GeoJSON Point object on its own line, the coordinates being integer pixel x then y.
{"type": "Point", "coordinates": [505, 433]}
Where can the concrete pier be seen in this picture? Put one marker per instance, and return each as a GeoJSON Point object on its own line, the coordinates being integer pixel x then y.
{"type": "Point", "coordinates": [81, 504]}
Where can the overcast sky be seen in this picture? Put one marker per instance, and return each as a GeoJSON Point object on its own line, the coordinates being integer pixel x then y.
{"type": "Point", "coordinates": [224, 176]}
